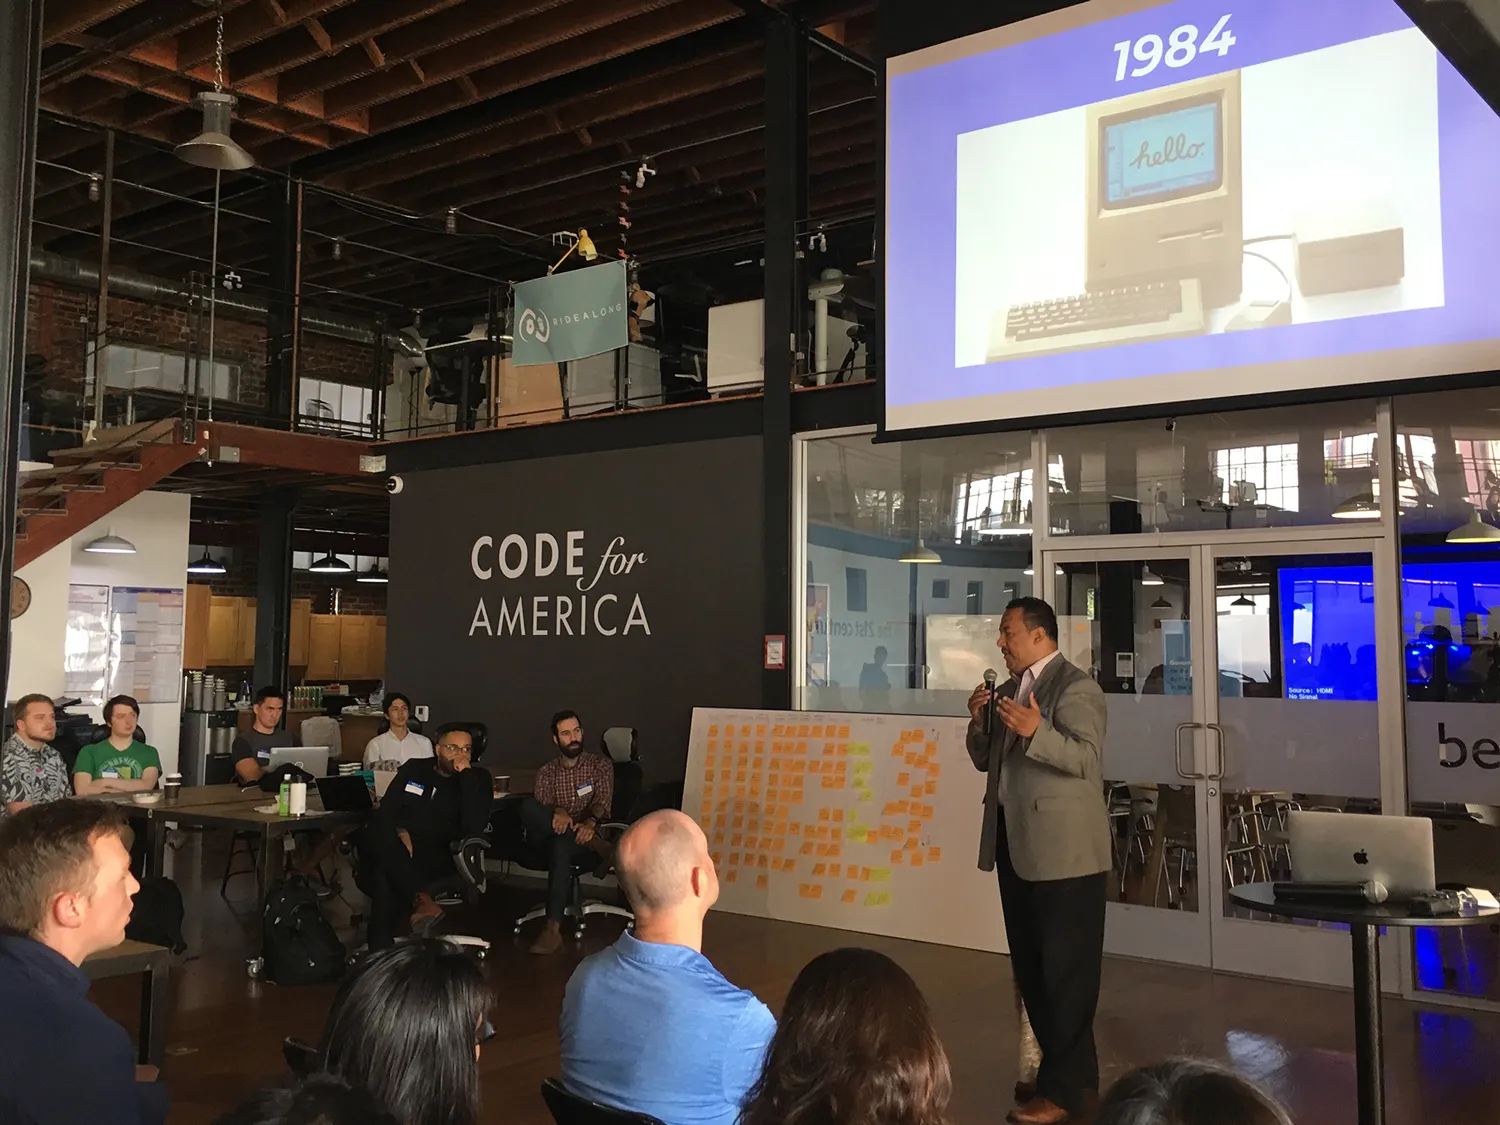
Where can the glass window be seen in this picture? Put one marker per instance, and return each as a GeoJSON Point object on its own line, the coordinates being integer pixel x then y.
{"type": "Point", "coordinates": [896, 638]}
{"type": "Point", "coordinates": [1252, 468]}
{"type": "Point", "coordinates": [1448, 472]}
{"type": "Point", "coordinates": [130, 368]}
{"type": "Point", "coordinates": [336, 407]}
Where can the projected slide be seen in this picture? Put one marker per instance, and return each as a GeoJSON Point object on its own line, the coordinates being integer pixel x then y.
{"type": "Point", "coordinates": [1181, 203]}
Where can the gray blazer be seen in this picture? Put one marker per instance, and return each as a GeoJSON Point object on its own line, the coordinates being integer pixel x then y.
{"type": "Point", "coordinates": [1056, 820]}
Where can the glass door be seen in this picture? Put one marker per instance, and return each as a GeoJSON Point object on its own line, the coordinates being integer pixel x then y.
{"type": "Point", "coordinates": [1131, 619]}
{"type": "Point", "coordinates": [1294, 723]}
{"type": "Point", "coordinates": [1241, 684]}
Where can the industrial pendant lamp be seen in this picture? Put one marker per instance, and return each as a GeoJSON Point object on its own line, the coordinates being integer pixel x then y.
{"type": "Point", "coordinates": [110, 544]}
{"type": "Point", "coordinates": [329, 564]}
{"type": "Point", "coordinates": [207, 565]}
{"type": "Point", "coordinates": [1361, 506]}
{"type": "Point", "coordinates": [1149, 577]}
{"type": "Point", "coordinates": [920, 552]}
{"type": "Point", "coordinates": [373, 576]}
{"type": "Point", "coordinates": [1475, 531]}
{"type": "Point", "coordinates": [212, 148]}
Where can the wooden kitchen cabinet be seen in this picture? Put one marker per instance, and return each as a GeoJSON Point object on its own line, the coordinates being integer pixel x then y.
{"type": "Point", "coordinates": [346, 646]}
{"type": "Point", "coordinates": [301, 629]}
{"type": "Point", "coordinates": [195, 626]}
{"type": "Point", "coordinates": [244, 645]}
{"type": "Point", "coordinates": [323, 647]}
{"type": "Point", "coordinates": [223, 631]}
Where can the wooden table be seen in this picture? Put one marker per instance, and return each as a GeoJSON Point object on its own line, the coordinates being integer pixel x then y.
{"type": "Point", "coordinates": [152, 962]}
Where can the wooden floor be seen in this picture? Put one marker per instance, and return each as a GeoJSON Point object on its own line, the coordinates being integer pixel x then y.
{"type": "Point", "coordinates": [225, 1030]}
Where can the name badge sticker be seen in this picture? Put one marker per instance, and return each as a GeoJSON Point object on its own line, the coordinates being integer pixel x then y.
{"type": "Point", "coordinates": [586, 788]}
{"type": "Point", "coordinates": [415, 788]}
{"type": "Point", "coordinates": [109, 773]}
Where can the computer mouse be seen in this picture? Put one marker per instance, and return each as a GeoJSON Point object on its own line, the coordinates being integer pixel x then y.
{"type": "Point", "coordinates": [1261, 314]}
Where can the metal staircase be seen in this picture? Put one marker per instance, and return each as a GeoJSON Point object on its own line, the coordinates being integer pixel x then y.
{"type": "Point", "coordinates": [89, 482]}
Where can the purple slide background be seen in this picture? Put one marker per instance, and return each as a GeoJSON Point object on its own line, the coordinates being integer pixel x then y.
{"type": "Point", "coordinates": [929, 109]}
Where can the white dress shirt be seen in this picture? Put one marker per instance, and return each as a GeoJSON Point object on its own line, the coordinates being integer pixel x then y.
{"type": "Point", "coordinates": [388, 748]}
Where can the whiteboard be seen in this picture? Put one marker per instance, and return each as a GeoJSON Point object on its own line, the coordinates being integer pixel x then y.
{"type": "Point", "coordinates": [867, 823]}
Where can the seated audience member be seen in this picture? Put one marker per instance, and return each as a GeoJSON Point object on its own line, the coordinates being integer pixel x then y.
{"type": "Point", "coordinates": [431, 804]}
{"type": "Point", "coordinates": [571, 798]}
{"type": "Point", "coordinates": [855, 1045]}
{"type": "Point", "coordinates": [31, 772]}
{"type": "Point", "coordinates": [406, 1026]}
{"type": "Point", "coordinates": [1188, 1092]}
{"type": "Point", "coordinates": [649, 1025]}
{"type": "Point", "coordinates": [320, 1100]}
{"type": "Point", "coordinates": [119, 764]}
{"type": "Point", "coordinates": [65, 891]}
{"type": "Point", "coordinates": [252, 750]}
{"type": "Point", "coordinates": [400, 743]}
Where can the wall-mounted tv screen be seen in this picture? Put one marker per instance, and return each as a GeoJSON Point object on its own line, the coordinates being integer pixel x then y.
{"type": "Point", "coordinates": [1129, 203]}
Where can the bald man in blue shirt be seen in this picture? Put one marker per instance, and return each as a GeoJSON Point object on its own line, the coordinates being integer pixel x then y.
{"type": "Point", "coordinates": [649, 1025]}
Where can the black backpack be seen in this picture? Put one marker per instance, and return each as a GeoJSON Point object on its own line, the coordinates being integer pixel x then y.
{"type": "Point", "coordinates": [156, 915]}
{"type": "Point", "coordinates": [298, 944]}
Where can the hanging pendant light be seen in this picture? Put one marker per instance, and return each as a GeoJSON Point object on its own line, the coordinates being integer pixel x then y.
{"type": "Point", "coordinates": [1475, 531]}
{"type": "Point", "coordinates": [920, 552]}
{"type": "Point", "coordinates": [373, 576]}
{"type": "Point", "coordinates": [1360, 506]}
{"type": "Point", "coordinates": [1161, 603]}
{"type": "Point", "coordinates": [213, 148]}
{"type": "Point", "coordinates": [329, 564]}
{"type": "Point", "coordinates": [1150, 577]}
{"type": "Point", "coordinates": [110, 544]}
{"type": "Point", "coordinates": [207, 565]}
{"type": "Point", "coordinates": [1244, 600]}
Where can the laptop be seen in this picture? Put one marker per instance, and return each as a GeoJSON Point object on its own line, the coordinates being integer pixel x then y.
{"type": "Point", "coordinates": [344, 794]}
{"type": "Point", "coordinates": [313, 759]}
{"type": "Point", "coordinates": [1395, 851]}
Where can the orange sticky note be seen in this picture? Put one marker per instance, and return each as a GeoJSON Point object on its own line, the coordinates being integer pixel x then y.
{"type": "Point", "coordinates": [931, 788]}
{"type": "Point", "coordinates": [761, 881]}
{"type": "Point", "coordinates": [778, 845]}
{"type": "Point", "coordinates": [834, 869]}
{"type": "Point", "coordinates": [822, 849]}
{"type": "Point", "coordinates": [916, 859]}
{"type": "Point", "coordinates": [918, 790]}
{"type": "Point", "coordinates": [765, 861]}
{"type": "Point", "coordinates": [896, 857]}
{"type": "Point", "coordinates": [848, 896]}
{"type": "Point", "coordinates": [864, 874]}
{"type": "Point", "coordinates": [718, 839]}
{"type": "Point", "coordinates": [810, 890]}
{"type": "Point", "coordinates": [820, 869]}
{"type": "Point", "coordinates": [733, 876]}
{"type": "Point", "coordinates": [738, 822]}
{"type": "Point", "coordinates": [713, 730]}
{"type": "Point", "coordinates": [739, 792]}
{"type": "Point", "coordinates": [807, 847]}
{"type": "Point", "coordinates": [934, 768]}
{"type": "Point", "coordinates": [898, 751]}
{"type": "Point", "coordinates": [903, 779]}
{"type": "Point", "coordinates": [844, 731]}
{"type": "Point", "coordinates": [835, 850]}
{"type": "Point", "coordinates": [708, 775]}
{"type": "Point", "coordinates": [823, 814]}
{"type": "Point", "coordinates": [934, 854]}
{"type": "Point", "coordinates": [734, 859]}
{"type": "Point", "coordinates": [795, 830]}
{"type": "Point", "coordinates": [838, 816]}
{"type": "Point", "coordinates": [914, 826]}
{"type": "Point", "coordinates": [737, 840]}
{"type": "Point", "coordinates": [911, 844]}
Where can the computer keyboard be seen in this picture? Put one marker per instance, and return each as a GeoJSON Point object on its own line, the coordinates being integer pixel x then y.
{"type": "Point", "coordinates": [1104, 317]}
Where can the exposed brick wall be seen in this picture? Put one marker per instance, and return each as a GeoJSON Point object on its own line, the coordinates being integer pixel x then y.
{"type": "Point", "coordinates": [59, 324]}
{"type": "Point", "coordinates": [354, 597]}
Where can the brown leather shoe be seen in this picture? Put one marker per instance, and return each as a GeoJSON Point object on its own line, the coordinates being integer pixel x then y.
{"type": "Point", "coordinates": [425, 914]}
{"type": "Point", "coordinates": [1025, 1092]}
{"type": "Point", "coordinates": [1038, 1111]}
{"type": "Point", "coordinates": [549, 941]}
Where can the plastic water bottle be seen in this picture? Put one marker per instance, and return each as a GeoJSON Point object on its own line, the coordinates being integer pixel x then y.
{"type": "Point", "coordinates": [284, 798]}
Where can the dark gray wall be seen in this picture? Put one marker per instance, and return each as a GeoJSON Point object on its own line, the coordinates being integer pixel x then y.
{"type": "Point", "coordinates": [692, 509]}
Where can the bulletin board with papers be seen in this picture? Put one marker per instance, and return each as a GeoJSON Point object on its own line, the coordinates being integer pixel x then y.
{"type": "Point", "coordinates": [868, 823]}
{"type": "Point", "coordinates": [146, 625]}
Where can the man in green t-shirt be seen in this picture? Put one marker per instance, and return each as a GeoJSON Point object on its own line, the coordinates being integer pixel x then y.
{"type": "Point", "coordinates": [119, 764]}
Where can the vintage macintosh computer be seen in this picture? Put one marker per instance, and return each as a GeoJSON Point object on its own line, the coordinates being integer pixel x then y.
{"type": "Point", "coordinates": [1163, 224]}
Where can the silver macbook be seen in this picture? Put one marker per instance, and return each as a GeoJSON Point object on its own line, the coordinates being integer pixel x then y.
{"type": "Point", "coordinates": [313, 759]}
{"type": "Point", "coordinates": [1395, 851]}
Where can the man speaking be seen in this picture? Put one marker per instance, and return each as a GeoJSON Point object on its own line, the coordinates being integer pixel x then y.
{"type": "Point", "coordinates": [1040, 737]}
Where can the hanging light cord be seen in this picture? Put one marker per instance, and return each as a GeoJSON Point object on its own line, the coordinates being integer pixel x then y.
{"type": "Point", "coordinates": [213, 277]}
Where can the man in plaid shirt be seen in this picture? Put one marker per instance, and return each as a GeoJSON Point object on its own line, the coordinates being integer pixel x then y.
{"type": "Point", "coordinates": [571, 799]}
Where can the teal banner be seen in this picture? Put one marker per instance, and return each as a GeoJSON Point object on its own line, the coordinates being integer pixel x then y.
{"type": "Point", "coordinates": [571, 315]}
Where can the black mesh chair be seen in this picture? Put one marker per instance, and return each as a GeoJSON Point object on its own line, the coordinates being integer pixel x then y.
{"type": "Point", "coordinates": [570, 1109]}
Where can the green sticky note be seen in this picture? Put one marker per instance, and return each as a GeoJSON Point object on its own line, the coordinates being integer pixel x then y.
{"type": "Point", "coordinates": [877, 898]}
{"type": "Point", "coordinates": [880, 874]}
{"type": "Point", "coordinates": [859, 749]}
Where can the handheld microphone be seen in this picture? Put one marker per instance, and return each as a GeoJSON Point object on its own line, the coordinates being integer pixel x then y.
{"type": "Point", "coordinates": [989, 704]}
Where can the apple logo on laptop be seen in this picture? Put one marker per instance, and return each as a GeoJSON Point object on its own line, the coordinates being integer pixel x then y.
{"type": "Point", "coordinates": [1361, 857]}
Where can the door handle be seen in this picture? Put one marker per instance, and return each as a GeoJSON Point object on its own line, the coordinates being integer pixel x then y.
{"type": "Point", "coordinates": [1223, 751]}
{"type": "Point", "coordinates": [1186, 775]}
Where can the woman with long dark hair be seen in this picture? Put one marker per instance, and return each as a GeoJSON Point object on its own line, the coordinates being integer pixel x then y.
{"type": "Point", "coordinates": [1188, 1092]}
{"type": "Point", "coordinates": [406, 1026]}
{"type": "Point", "coordinates": [854, 1046]}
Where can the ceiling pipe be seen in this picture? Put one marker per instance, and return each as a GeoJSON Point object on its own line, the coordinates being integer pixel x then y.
{"type": "Point", "coordinates": [75, 274]}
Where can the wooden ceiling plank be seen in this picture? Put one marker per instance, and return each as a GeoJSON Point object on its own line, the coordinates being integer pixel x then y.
{"type": "Point", "coordinates": [247, 24]}
{"type": "Point", "coordinates": [62, 18]}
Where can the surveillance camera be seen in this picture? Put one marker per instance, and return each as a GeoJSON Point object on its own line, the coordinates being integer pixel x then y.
{"type": "Point", "coordinates": [1171, 425]}
{"type": "Point", "coordinates": [394, 485]}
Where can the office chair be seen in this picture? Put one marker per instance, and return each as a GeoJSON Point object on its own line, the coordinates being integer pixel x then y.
{"type": "Point", "coordinates": [320, 730]}
{"type": "Point", "coordinates": [628, 778]}
{"type": "Point", "coordinates": [570, 1109]}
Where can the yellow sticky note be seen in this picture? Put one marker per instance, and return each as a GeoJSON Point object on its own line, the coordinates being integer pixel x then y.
{"type": "Point", "coordinates": [880, 874]}
{"type": "Point", "coordinates": [859, 749]}
{"type": "Point", "coordinates": [878, 898]}
{"type": "Point", "coordinates": [761, 882]}
{"type": "Point", "coordinates": [855, 835]}
{"type": "Point", "coordinates": [849, 895]}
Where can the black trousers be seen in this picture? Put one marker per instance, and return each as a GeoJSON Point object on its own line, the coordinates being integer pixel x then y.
{"type": "Point", "coordinates": [1056, 934]}
{"type": "Point", "coordinates": [561, 848]}
{"type": "Point", "coordinates": [396, 878]}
